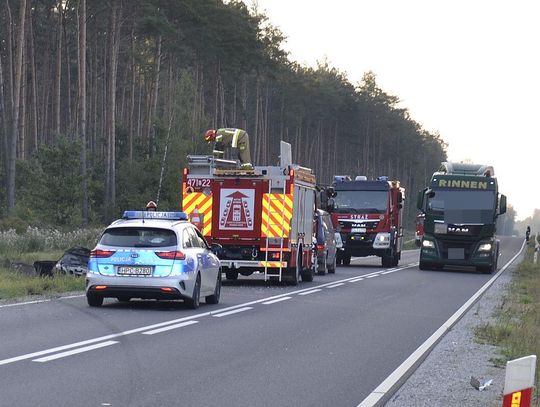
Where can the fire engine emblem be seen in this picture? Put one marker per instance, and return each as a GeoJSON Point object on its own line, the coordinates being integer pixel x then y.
{"type": "Point", "coordinates": [236, 209]}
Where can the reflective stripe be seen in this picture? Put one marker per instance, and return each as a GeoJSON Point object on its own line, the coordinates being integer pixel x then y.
{"type": "Point", "coordinates": [282, 264]}
{"type": "Point", "coordinates": [235, 138]}
{"type": "Point", "coordinates": [219, 137]}
{"type": "Point", "coordinates": [276, 215]}
{"type": "Point", "coordinates": [203, 203]}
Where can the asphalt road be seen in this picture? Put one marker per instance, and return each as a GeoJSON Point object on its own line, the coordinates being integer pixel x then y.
{"type": "Point", "coordinates": [330, 342]}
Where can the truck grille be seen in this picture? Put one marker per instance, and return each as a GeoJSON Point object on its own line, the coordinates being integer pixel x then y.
{"type": "Point", "coordinates": [467, 247]}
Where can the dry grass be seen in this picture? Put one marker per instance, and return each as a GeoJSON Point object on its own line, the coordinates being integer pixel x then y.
{"type": "Point", "coordinates": [516, 329]}
{"type": "Point", "coordinates": [17, 284]}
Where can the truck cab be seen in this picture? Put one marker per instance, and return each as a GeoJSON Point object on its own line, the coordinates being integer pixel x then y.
{"type": "Point", "coordinates": [368, 215]}
{"type": "Point", "coordinates": [461, 206]}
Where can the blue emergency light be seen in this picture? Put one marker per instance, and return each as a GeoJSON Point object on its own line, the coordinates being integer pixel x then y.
{"type": "Point", "coordinates": [155, 215]}
{"type": "Point", "coordinates": [382, 178]}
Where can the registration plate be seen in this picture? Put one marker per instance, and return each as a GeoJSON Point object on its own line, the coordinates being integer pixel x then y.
{"type": "Point", "coordinates": [358, 230]}
{"type": "Point", "coordinates": [135, 270]}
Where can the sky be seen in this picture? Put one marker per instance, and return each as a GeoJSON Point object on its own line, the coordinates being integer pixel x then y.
{"type": "Point", "coordinates": [468, 69]}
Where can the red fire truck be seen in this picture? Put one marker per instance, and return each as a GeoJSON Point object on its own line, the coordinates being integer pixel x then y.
{"type": "Point", "coordinates": [368, 215]}
{"type": "Point", "coordinates": [260, 219]}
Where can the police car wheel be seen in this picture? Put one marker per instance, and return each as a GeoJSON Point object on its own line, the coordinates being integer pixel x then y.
{"type": "Point", "coordinates": [94, 300]}
{"type": "Point", "coordinates": [214, 298]}
{"type": "Point", "coordinates": [193, 302]}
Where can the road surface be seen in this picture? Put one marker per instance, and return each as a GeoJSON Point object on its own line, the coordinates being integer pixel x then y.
{"type": "Point", "coordinates": [330, 342]}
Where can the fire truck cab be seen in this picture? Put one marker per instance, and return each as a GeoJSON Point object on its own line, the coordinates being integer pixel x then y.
{"type": "Point", "coordinates": [368, 215]}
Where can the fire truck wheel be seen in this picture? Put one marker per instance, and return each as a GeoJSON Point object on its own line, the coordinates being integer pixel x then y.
{"type": "Point", "coordinates": [321, 268]}
{"type": "Point", "coordinates": [346, 260]}
{"type": "Point", "coordinates": [193, 302]}
{"type": "Point", "coordinates": [387, 261]}
{"type": "Point", "coordinates": [214, 298]}
{"type": "Point", "coordinates": [231, 275]}
{"type": "Point", "coordinates": [307, 275]}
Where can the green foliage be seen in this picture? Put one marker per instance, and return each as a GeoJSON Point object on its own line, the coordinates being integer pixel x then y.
{"type": "Point", "coordinates": [49, 185]}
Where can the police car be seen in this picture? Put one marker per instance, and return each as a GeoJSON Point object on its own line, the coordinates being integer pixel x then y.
{"type": "Point", "coordinates": [153, 255]}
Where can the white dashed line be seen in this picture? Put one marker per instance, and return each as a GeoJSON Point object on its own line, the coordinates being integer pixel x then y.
{"type": "Point", "coordinates": [335, 285]}
{"type": "Point", "coordinates": [75, 351]}
{"type": "Point", "coordinates": [170, 327]}
{"type": "Point", "coordinates": [235, 311]}
{"type": "Point", "coordinates": [276, 300]}
{"type": "Point", "coordinates": [310, 292]}
{"type": "Point", "coordinates": [373, 276]}
{"type": "Point", "coordinates": [389, 272]}
{"type": "Point", "coordinates": [356, 280]}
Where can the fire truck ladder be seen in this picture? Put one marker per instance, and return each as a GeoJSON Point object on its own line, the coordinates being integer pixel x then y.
{"type": "Point", "coordinates": [275, 226]}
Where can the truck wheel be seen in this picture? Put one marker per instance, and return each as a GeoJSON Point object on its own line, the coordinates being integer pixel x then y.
{"type": "Point", "coordinates": [346, 260]}
{"type": "Point", "coordinates": [395, 260]}
{"type": "Point", "coordinates": [387, 261]}
{"type": "Point", "coordinates": [305, 272]}
{"type": "Point", "coordinates": [322, 268]}
{"type": "Point", "coordinates": [231, 275]}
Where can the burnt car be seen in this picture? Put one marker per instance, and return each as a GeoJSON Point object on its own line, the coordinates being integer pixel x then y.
{"type": "Point", "coordinates": [74, 261]}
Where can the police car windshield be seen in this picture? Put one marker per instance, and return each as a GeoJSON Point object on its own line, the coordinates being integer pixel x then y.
{"type": "Point", "coordinates": [463, 206]}
{"type": "Point", "coordinates": [138, 237]}
{"type": "Point", "coordinates": [361, 201]}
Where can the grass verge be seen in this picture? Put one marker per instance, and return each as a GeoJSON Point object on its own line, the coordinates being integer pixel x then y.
{"type": "Point", "coordinates": [16, 284]}
{"type": "Point", "coordinates": [516, 326]}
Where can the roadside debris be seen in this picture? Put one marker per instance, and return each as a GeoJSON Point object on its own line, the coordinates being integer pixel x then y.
{"type": "Point", "coordinates": [479, 385]}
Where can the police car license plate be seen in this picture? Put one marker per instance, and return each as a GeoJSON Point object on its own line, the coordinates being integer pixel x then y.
{"type": "Point", "coordinates": [358, 230]}
{"type": "Point", "coordinates": [135, 270]}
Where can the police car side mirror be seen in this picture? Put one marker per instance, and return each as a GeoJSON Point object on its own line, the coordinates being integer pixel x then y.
{"type": "Point", "coordinates": [216, 248]}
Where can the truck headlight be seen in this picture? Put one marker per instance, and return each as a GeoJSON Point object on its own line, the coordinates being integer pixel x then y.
{"type": "Point", "coordinates": [382, 241]}
{"type": "Point", "coordinates": [428, 244]}
{"type": "Point", "coordinates": [484, 247]}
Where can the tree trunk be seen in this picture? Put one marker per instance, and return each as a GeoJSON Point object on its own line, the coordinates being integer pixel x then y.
{"type": "Point", "coordinates": [15, 110]}
{"type": "Point", "coordinates": [33, 70]}
{"type": "Point", "coordinates": [132, 97]}
{"type": "Point", "coordinates": [82, 107]}
{"type": "Point", "coordinates": [58, 83]}
{"type": "Point", "coordinates": [155, 88]}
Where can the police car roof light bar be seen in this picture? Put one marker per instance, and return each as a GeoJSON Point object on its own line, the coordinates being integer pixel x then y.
{"type": "Point", "coordinates": [155, 215]}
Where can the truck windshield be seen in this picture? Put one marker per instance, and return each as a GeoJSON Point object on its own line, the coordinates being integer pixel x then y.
{"type": "Point", "coordinates": [361, 201]}
{"type": "Point", "coordinates": [463, 206]}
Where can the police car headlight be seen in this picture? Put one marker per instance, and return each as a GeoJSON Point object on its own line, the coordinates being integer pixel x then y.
{"type": "Point", "coordinates": [428, 244]}
{"type": "Point", "coordinates": [485, 247]}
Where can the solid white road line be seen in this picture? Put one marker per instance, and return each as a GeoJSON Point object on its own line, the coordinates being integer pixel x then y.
{"type": "Point", "coordinates": [372, 276]}
{"type": "Point", "coordinates": [276, 300]}
{"type": "Point", "coordinates": [173, 321]}
{"type": "Point", "coordinates": [310, 292]}
{"type": "Point", "coordinates": [236, 311]}
{"type": "Point", "coordinates": [392, 382]}
{"type": "Point", "coordinates": [75, 351]}
{"type": "Point", "coordinates": [356, 280]}
{"type": "Point", "coordinates": [335, 285]}
{"type": "Point", "coordinates": [170, 327]}
{"type": "Point", "coordinates": [15, 304]}
{"type": "Point", "coordinates": [389, 272]}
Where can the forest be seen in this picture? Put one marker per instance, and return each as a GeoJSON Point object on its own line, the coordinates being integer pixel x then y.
{"type": "Point", "coordinates": [101, 101]}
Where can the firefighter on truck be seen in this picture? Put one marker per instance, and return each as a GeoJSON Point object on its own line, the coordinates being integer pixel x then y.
{"type": "Point", "coordinates": [235, 138]}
